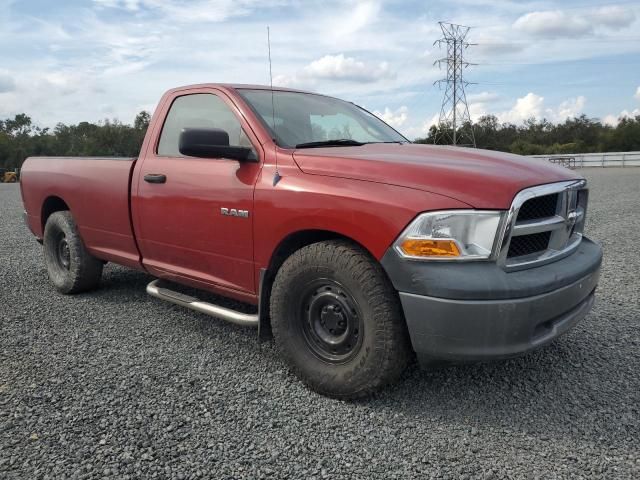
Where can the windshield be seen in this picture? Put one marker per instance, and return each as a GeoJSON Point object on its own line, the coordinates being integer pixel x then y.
{"type": "Point", "coordinates": [308, 120]}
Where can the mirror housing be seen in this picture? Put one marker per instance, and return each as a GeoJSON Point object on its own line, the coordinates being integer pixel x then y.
{"type": "Point", "coordinates": [212, 143]}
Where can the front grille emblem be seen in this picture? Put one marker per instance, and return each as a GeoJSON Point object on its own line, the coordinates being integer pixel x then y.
{"type": "Point", "coordinates": [571, 215]}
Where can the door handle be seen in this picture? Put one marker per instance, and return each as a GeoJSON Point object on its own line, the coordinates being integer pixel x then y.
{"type": "Point", "coordinates": [155, 178]}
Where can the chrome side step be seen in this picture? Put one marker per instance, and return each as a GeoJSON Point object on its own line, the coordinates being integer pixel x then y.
{"type": "Point", "coordinates": [239, 318]}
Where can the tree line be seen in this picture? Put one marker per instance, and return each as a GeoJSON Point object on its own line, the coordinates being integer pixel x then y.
{"type": "Point", "coordinates": [541, 137]}
{"type": "Point", "coordinates": [21, 138]}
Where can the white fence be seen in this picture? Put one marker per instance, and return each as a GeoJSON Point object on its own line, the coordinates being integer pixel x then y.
{"type": "Point", "coordinates": [579, 160]}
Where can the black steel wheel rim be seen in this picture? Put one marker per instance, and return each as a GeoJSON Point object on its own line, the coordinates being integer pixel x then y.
{"type": "Point", "coordinates": [331, 321]}
{"type": "Point", "coordinates": [63, 254]}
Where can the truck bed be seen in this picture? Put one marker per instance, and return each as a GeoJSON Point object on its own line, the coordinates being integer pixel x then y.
{"type": "Point", "coordinates": [86, 185]}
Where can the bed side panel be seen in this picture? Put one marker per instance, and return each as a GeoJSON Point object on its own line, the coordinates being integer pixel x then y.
{"type": "Point", "coordinates": [96, 190]}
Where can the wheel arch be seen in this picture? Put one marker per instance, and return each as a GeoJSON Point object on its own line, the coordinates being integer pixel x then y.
{"type": "Point", "coordinates": [293, 242]}
{"type": "Point", "coordinates": [52, 204]}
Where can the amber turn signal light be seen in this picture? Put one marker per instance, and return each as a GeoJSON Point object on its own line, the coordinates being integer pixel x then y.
{"type": "Point", "coordinates": [430, 248]}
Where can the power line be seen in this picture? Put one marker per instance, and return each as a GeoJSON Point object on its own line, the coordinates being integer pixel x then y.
{"type": "Point", "coordinates": [454, 124]}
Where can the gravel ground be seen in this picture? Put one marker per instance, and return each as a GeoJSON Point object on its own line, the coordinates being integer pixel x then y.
{"type": "Point", "coordinates": [117, 384]}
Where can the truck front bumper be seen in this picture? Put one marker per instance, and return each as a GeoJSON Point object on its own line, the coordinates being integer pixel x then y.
{"type": "Point", "coordinates": [467, 312]}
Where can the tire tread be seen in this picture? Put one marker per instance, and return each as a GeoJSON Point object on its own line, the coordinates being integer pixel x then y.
{"type": "Point", "coordinates": [393, 351]}
{"type": "Point", "coordinates": [86, 270]}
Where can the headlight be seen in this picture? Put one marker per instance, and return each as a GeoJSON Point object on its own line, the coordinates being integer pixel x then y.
{"type": "Point", "coordinates": [450, 235]}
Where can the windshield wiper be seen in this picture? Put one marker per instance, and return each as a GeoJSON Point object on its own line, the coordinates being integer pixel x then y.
{"type": "Point", "coordinates": [340, 142]}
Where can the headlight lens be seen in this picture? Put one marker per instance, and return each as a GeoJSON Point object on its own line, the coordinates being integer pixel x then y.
{"type": "Point", "coordinates": [450, 235]}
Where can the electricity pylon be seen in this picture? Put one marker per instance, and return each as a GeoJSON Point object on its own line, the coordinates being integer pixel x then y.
{"type": "Point", "coordinates": [454, 125]}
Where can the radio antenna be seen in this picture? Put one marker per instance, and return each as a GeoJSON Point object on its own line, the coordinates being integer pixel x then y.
{"type": "Point", "coordinates": [276, 176]}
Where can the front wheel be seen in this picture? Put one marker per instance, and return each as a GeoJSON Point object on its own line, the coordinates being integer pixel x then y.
{"type": "Point", "coordinates": [337, 320]}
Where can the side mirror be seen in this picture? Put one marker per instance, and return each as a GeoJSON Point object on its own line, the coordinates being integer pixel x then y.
{"type": "Point", "coordinates": [212, 143]}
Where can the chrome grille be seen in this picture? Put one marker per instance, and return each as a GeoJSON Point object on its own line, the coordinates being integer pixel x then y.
{"type": "Point", "coordinates": [543, 224]}
{"type": "Point", "coordinates": [539, 207]}
{"type": "Point", "coordinates": [528, 244]}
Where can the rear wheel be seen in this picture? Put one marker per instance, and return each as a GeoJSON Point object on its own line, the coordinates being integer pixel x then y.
{"type": "Point", "coordinates": [337, 320]}
{"type": "Point", "coordinates": [70, 267]}
{"type": "Point", "coordinates": [13, 180]}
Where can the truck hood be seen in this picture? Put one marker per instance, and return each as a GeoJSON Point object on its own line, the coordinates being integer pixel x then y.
{"type": "Point", "coordinates": [480, 178]}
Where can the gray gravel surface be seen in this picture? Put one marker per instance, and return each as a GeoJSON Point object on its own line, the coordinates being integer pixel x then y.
{"type": "Point", "coordinates": [115, 384]}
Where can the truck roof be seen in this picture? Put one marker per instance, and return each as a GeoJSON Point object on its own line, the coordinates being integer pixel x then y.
{"type": "Point", "coordinates": [236, 86]}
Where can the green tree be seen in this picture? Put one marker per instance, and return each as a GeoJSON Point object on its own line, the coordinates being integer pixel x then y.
{"type": "Point", "coordinates": [537, 137]}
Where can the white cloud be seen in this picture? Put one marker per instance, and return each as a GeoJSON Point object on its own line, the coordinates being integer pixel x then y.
{"type": "Point", "coordinates": [360, 13]}
{"type": "Point", "coordinates": [533, 106]}
{"type": "Point", "coordinates": [335, 68]}
{"type": "Point", "coordinates": [610, 120]}
{"type": "Point", "coordinates": [574, 23]}
{"type": "Point", "coordinates": [395, 118]}
{"type": "Point", "coordinates": [614, 120]}
{"type": "Point", "coordinates": [191, 11]}
{"type": "Point", "coordinates": [477, 110]}
{"type": "Point", "coordinates": [48, 95]}
{"type": "Point", "coordinates": [130, 5]}
{"type": "Point", "coordinates": [556, 23]}
{"type": "Point", "coordinates": [529, 106]}
{"type": "Point", "coordinates": [286, 81]}
{"type": "Point", "coordinates": [479, 102]}
{"type": "Point", "coordinates": [339, 67]}
{"type": "Point", "coordinates": [613, 16]}
{"type": "Point", "coordinates": [570, 108]}
{"type": "Point", "coordinates": [420, 130]}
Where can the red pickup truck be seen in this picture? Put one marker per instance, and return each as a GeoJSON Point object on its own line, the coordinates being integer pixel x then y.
{"type": "Point", "coordinates": [356, 248]}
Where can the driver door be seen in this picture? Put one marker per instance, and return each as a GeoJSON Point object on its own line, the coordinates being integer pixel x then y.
{"type": "Point", "coordinates": [179, 208]}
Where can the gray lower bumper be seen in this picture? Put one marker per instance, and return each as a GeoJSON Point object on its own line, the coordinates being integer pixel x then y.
{"type": "Point", "coordinates": [477, 311]}
{"type": "Point", "coordinates": [484, 329]}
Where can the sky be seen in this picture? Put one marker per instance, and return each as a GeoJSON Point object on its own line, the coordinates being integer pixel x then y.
{"type": "Point", "coordinates": [89, 60]}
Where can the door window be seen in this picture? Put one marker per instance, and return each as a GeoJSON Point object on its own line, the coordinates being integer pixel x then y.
{"type": "Point", "coordinates": [201, 110]}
